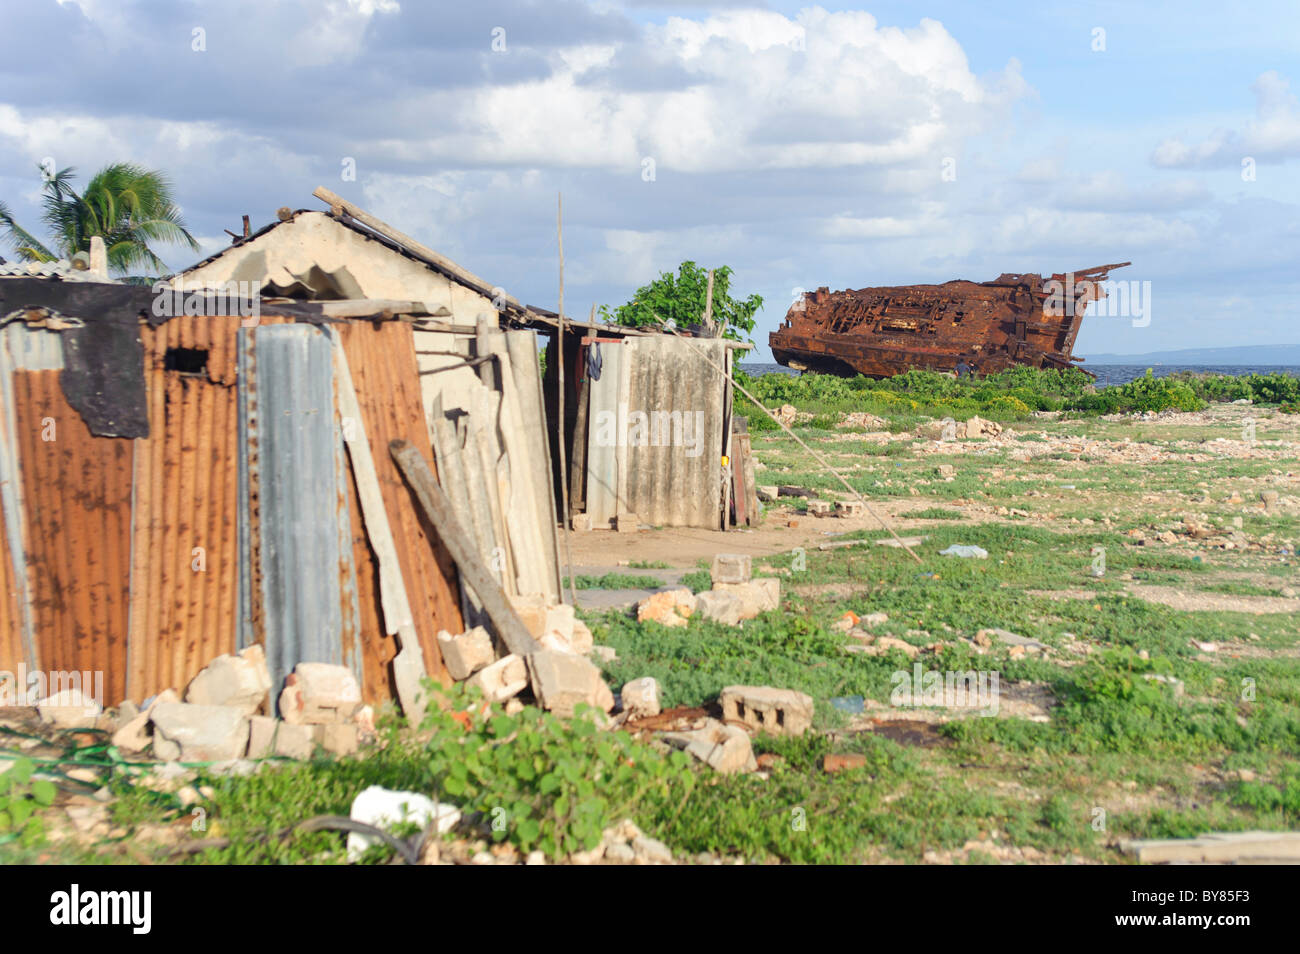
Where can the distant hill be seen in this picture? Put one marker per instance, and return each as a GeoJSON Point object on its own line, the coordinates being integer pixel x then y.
{"type": "Point", "coordinates": [1246, 354]}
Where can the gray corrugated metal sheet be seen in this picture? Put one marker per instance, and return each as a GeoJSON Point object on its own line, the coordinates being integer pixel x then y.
{"type": "Point", "coordinates": [602, 452]}
{"type": "Point", "coordinates": [299, 523]}
{"type": "Point", "coordinates": [61, 270]}
{"type": "Point", "coordinates": [664, 462]}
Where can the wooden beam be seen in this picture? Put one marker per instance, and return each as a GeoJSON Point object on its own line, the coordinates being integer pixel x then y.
{"type": "Point", "coordinates": [408, 664]}
{"type": "Point", "coordinates": [459, 544]}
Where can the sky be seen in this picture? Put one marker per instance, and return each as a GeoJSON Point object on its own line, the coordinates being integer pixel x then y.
{"type": "Point", "coordinates": [838, 145]}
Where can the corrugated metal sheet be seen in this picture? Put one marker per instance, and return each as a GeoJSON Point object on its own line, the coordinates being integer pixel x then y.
{"type": "Point", "coordinates": [602, 444]}
{"type": "Point", "coordinates": [301, 527]}
{"type": "Point", "coordinates": [383, 365]}
{"type": "Point", "coordinates": [185, 560]}
{"type": "Point", "coordinates": [77, 497]}
{"type": "Point", "coordinates": [11, 601]}
{"type": "Point", "coordinates": [29, 349]}
{"type": "Point", "coordinates": [655, 432]}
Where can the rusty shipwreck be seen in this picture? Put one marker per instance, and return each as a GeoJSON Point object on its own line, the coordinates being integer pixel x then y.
{"type": "Point", "coordinates": [1013, 320]}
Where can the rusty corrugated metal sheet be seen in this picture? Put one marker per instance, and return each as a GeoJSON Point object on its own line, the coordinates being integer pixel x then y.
{"type": "Point", "coordinates": [30, 349]}
{"type": "Point", "coordinates": [655, 432]}
{"type": "Point", "coordinates": [383, 364]}
{"type": "Point", "coordinates": [11, 628]}
{"type": "Point", "coordinates": [182, 601]}
{"type": "Point", "coordinates": [77, 498]}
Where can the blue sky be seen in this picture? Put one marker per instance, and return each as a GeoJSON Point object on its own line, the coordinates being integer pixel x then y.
{"type": "Point", "coordinates": [801, 145]}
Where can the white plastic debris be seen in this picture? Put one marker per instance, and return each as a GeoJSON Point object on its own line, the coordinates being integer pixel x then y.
{"type": "Point", "coordinates": [384, 808]}
{"type": "Point", "coordinates": [960, 550]}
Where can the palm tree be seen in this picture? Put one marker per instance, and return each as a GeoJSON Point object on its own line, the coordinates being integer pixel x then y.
{"type": "Point", "coordinates": [126, 205]}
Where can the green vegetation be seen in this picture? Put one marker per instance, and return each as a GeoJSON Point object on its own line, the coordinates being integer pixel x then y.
{"type": "Point", "coordinates": [20, 797]}
{"type": "Point", "coordinates": [1007, 396]}
{"type": "Point", "coordinates": [682, 298]}
{"type": "Point", "coordinates": [126, 205]}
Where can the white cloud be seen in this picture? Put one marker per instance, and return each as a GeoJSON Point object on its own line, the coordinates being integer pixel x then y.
{"type": "Point", "coordinates": [1272, 136]}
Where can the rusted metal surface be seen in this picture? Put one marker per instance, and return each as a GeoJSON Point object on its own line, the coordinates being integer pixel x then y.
{"type": "Point", "coordinates": [131, 554]}
{"type": "Point", "coordinates": [885, 331]}
{"type": "Point", "coordinates": [300, 490]}
{"type": "Point", "coordinates": [185, 560]}
{"type": "Point", "coordinates": [654, 432]}
{"type": "Point", "coordinates": [382, 359]}
{"type": "Point", "coordinates": [76, 491]}
{"type": "Point", "coordinates": [28, 347]}
{"type": "Point", "coordinates": [11, 601]}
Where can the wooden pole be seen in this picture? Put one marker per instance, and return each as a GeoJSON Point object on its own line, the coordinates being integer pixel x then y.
{"type": "Point", "coordinates": [460, 545]}
{"type": "Point", "coordinates": [559, 353]}
{"type": "Point", "coordinates": [708, 307]}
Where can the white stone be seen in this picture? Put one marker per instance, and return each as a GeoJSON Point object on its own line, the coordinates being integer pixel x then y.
{"type": "Point", "coordinates": [241, 681]}
{"type": "Point", "coordinates": [384, 808]}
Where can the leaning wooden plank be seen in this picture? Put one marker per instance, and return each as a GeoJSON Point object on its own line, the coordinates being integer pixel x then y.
{"type": "Point", "coordinates": [526, 540]}
{"type": "Point", "coordinates": [451, 471]}
{"type": "Point", "coordinates": [473, 571]}
{"type": "Point", "coordinates": [522, 346]}
{"type": "Point", "coordinates": [408, 664]}
{"type": "Point", "coordinates": [481, 441]}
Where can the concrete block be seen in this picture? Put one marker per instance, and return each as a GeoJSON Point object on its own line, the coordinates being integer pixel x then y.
{"type": "Point", "coordinates": [768, 493]}
{"type": "Point", "coordinates": [720, 606]}
{"type": "Point", "coordinates": [261, 736]}
{"type": "Point", "coordinates": [135, 736]}
{"type": "Point", "coordinates": [319, 693]}
{"type": "Point", "coordinates": [849, 508]}
{"type": "Point", "coordinates": [626, 523]}
{"type": "Point", "coordinates": [531, 609]}
{"type": "Point", "coordinates": [731, 568]}
{"type": "Point", "coordinates": [641, 697]}
{"type": "Point", "coordinates": [726, 748]}
{"type": "Point", "coordinates": [504, 678]}
{"type": "Point", "coordinates": [580, 522]}
{"type": "Point", "coordinates": [560, 681]}
{"type": "Point", "coordinates": [467, 653]}
{"type": "Point", "coordinates": [766, 709]}
{"type": "Point", "coordinates": [294, 741]}
{"type": "Point", "coordinates": [186, 732]}
{"type": "Point", "coordinates": [338, 739]}
{"type": "Point", "coordinates": [241, 681]}
{"type": "Point", "coordinates": [756, 596]}
{"type": "Point", "coordinates": [819, 508]}
{"type": "Point", "coordinates": [69, 709]}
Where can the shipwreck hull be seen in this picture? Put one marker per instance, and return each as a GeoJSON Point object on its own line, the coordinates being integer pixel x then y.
{"type": "Point", "coordinates": [1015, 320]}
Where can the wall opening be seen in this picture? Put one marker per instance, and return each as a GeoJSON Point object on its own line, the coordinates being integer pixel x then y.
{"type": "Point", "coordinates": [186, 360]}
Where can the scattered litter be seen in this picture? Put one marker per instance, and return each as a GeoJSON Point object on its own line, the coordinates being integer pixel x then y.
{"type": "Point", "coordinates": [961, 550]}
{"type": "Point", "coordinates": [854, 704]}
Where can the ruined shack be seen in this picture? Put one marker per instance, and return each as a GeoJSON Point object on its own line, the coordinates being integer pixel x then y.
{"type": "Point", "coordinates": [1013, 320]}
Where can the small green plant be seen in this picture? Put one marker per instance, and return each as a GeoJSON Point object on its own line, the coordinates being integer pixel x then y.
{"type": "Point", "coordinates": [20, 797]}
{"type": "Point", "coordinates": [547, 783]}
